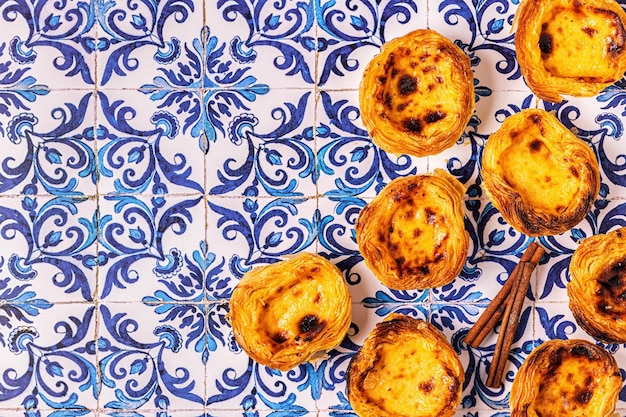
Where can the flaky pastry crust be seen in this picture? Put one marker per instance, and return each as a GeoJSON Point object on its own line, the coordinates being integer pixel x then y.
{"type": "Point", "coordinates": [540, 176]}
{"type": "Point", "coordinates": [290, 312]}
{"type": "Point", "coordinates": [597, 287]}
{"type": "Point", "coordinates": [570, 47]}
{"type": "Point", "coordinates": [412, 234]}
{"type": "Point", "coordinates": [405, 367]}
{"type": "Point", "coordinates": [574, 378]}
{"type": "Point", "coordinates": [417, 95]}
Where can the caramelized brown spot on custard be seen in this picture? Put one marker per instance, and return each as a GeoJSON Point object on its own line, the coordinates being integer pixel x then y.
{"type": "Point", "coordinates": [589, 31]}
{"type": "Point", "coordinates": [307, 323]}
{"type": "Point", "coordinates": [427, 386]}
{"type": "Point", "coordinates": [535, 145]}
{"type": "Point", "coordinates": [584, 396]}
{"type": "Point", "coordinates": [574, 171]}
{"type": "Point", "coordinates": [431, 215]}
{"type": "Point", "coordinates": [434, 116]}
{"type": "Point", "coordinates": [545, 43]}
{"type": "Point", "coordinates": [413, 124]}
{"type": "Point", "coordinates": [407, 85]}
{"type": "Point", "coordinates": [279, 337]}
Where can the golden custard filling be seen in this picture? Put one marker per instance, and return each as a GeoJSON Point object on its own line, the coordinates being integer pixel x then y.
{"type": "Point", "coordinates": [540, 176]}
{"type": "Point", "coordinates": [417, 94]}
{"type": "Point", "coordinates": [418, 233]}
{"type": "Point", "coordinates": [405, 367]}
{"type": "Point", "coordinates": [597, 286]}
{"type": "Point", "coordinates": [571, 384]}
{"type": "Point", "coordinates": [414, 76]}
{"type": "Point", "coordinates": [412, 235]}
{"type": "Point", "coordinates": [424, 387]}
{"type": "Point", "coordinates": [581, 41]}
{"type": "Point", "coordinates": [293, 318]}
{"type": "Point", "coordinates": [532, 168]}
{"type": "Point", "coordinates": [289, 312]}
{"type": "Point", "coordinates": [566, 378]}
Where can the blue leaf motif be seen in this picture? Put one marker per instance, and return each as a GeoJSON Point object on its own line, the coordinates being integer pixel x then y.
{"type": "Point", "coordinates": [53, 239]}
{"type": "Point", "coordinates": [359, 23]}
{"type": "Point", "coordinates": [359, 154]}
{"type": "Point", "coordinates": [139, 21]}
{"type": "Point", "coordinates": [496, 238]}
{"type": "Point", "coordinates": [136, 154]}
{"type": "Point", "coordinates": [53, 156]}
{"type": "Point", "coordinates": [578, 234]}
{"type": "Point", "coordinates": [138, 366]}
{"type": "Point", "coordinates": [52, 22]}
{"type": "Point", "coordinates": [54, 369]}
{"type": "Point", "coordinates": [273, 157]}
{"type": "Point", "coordinates": [272, 22]}
{"type": "Point", "coordinates": [137, 235]}
{"type": "Point", "coordinates": [273, 239]}
{"type": "Point", "coordinates": [496, 25]}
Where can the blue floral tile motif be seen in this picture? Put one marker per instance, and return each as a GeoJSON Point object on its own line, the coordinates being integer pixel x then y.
{"type": "Point", "coordinates": [50, 145]}
{"type": "Point", "coordinates": [138, 365]}
{"type": "Point", "coordinates": [348, 30]}
{"type": "Point", "coordinates": [64, 30]}
{"type": "Point", "coordinates": [144, 152]}
{"type": "Point", "coordinates": [268, 150]}
{"type": "Point", "coordinates": [48, 369]}
{"type": "Point", "coordinates": [49, 247]}
{"type": "Point", "coordinates": [122, 30]}
{"type": "Point", "coordinates": [275, 36]}
{"type": "Point", "coordinates": [214, 83]}
{"type": "Point", "coordinates": [153, 152]}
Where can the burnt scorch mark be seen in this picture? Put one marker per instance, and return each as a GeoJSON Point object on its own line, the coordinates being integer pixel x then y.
{"type": "Point", "coordinates": [584, 396]}
{"type": "Point", "coordinates": [388, 103]}
{"type": "Point", "coordinates": [434, 116]}
{"type": "Point", "coordinates": [545, 43]}
{"type": "Point", "coordinates": [591, 32]}
{"type": "Point", "coordinates": [535, 145]}
{"type": "Point", "coordinates": [413, 124]}
{"type": "Point", "coordinates": [307, 323]}
{"type": "Point", "coordinates": [431, 215]}
{"type": "Point", "coordinates": [280, 338]}
{"type": "Point", "coordinates": [427, 386]}
{"type": "Point", "coordinates": [582, 351]}
{"type": "Point", "coordinates": [407, 84]}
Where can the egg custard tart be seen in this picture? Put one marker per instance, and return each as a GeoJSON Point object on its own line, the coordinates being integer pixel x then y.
{"type": "Point", "coordinates": [290, 312]}
{"type": "Point", "coordinates": [540, 176]}
{"type": "Point", "coordinates": [597, 287]}
{"type": "Point", "coordinates": [405, 367]}
{"type": "Point", "coordinates": [412, 234]}
{"type": "Point", "coordinates": [417, 94]}
{"type": "Point", "coordinates": [573, 378]}
{"type": "Point", "coordinates": [570, 47]}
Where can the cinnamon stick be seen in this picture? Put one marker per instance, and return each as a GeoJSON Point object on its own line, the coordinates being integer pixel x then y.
{"type": "Point", "coordinates": [499, 349]}
{"type": "Point", "coordinates": [510, 320]}
{"type": "Point", "coordinates": [490, 317]}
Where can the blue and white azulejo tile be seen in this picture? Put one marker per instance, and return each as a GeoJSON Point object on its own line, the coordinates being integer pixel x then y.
{"type": "Point", "coordinates": [152, 152]}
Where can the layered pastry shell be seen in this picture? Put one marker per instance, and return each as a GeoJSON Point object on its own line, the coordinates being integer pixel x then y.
{"type": "Point", "coordinates": [540, 176]}
{"type": "Point", "coordinates": [597, 287]}
{"type": "Point", "coordinates": [573, 378]}
{"type": "Point", "coordinates": [417, 94]}
{"type": "Point", "coordinates": [405, 367]}
{"type": "Point", "coordinates": [290, 312]}
{"type": "Point", "coordinates": [570, 47]}
{"type": "Point", "coordinates": [412, 234]}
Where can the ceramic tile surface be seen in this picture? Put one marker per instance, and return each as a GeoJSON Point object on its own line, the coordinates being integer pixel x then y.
{"type": "Point", "coordinates": [152, 152]}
